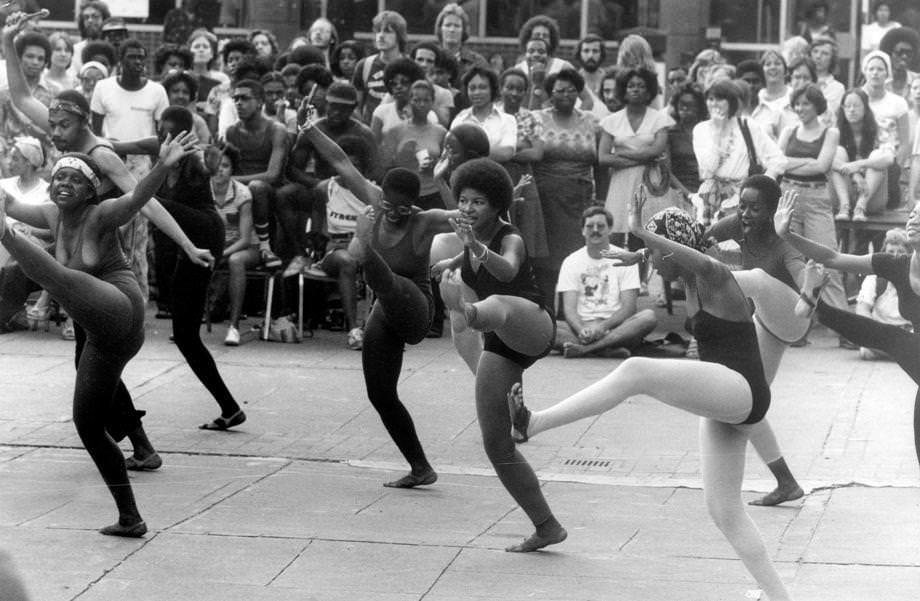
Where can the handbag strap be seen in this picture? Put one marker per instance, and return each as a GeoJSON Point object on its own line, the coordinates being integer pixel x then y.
{"type": "Point", "coordinates": [748, 141]}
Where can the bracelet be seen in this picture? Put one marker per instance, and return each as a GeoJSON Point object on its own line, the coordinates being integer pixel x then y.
{"type": "Point", "coordinates": [807, 299]}
{"type": "Point", "coordinates": [643, 254]}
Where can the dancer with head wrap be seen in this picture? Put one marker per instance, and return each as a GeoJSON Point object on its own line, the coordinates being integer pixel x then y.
{"type": "Point", "coordinates": [902, 271]}
{"type": "Point", "coordinates": [392, 243]}
{"type": "Point", "coordinates": [726, 388]}
{"type": "Point", "coordinates": [92, 281]}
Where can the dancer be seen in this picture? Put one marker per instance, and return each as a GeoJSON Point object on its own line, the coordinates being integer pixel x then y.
{"type": "Point", "coordinates": [187, 195]}
{"type": "Point", "coordinates": [392, 243]}
{"type": "Point", "coordinates": [902, 271]}
{"type": "Point", "coordinates": [518, 329]}
{"type": "Point", "coordinates": [727, 388]}
{"type": "Point", "coordinates": [93, 283]}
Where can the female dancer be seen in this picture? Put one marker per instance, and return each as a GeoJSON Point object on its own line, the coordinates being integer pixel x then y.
{"type": "Point", "coordinates": [518, 329]}
{"type": "Point", "coordinates": [392, 243]}
{"type": "Point", "coordinates": [727, 388]}
{"type": "Point", "coordinates": [902, 271]}
{"type": "Point", "coordinates": [93, 283]}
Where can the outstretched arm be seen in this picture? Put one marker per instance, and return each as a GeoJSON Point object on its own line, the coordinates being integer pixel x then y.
{"type": "Point", "coordinates": [366, 191]}
{"type": "Point", "coordinates": [811, 249]}
{"type": "Point", "coordinates": [19, 90]}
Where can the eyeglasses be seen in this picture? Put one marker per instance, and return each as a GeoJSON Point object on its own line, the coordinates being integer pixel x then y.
{"type": "Point", "coordinates": [403, 210]}
{"type": "Point", "coordinates": [903, 51]}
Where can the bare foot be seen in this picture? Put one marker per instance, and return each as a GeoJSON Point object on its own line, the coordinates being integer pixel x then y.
{"type": "Point", "coordinates": [412, 479]}
{"type": "Point", "coordinates": [780, 495]}
{"type": "Point", "coordinates": [538, 540]}
{"type": "Point", "coordinates": [151, 461]}
{"type": "Point", "coordinates": [815, 279]}
{"type": "Point", "coordinates": [520, 414]}
{"type": "Point", "coordinates": [133, 530]}
{"type": "Point", "coordinates": [570, 350]}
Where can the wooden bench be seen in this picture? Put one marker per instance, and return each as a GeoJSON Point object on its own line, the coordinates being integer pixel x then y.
{"type": "Point", "coordinates": [880, 222]}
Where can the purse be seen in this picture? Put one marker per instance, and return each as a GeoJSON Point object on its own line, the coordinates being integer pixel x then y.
{"type": "Point", "coordinates": [754, 168]}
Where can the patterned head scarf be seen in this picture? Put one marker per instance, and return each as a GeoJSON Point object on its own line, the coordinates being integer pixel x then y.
{"type": "Point", "coordinates": [74, 161]}
{"type": "Point", "coordinates": [31, 149]}
{"type": "Point", "coordinates": [677, 226]}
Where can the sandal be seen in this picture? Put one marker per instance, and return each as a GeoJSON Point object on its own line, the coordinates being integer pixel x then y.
{"type": "Point", "coordinates": [520, 414]}
{"type": "Point", "coordinates": [225, 423]}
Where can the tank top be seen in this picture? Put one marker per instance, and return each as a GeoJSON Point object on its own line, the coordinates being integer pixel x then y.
{"type": "Point", "coordinates": [485, 284]}
{"type": "Point", "coordinates": [255, 153]}
{"type": "Point", "coordinates": [112, 258]}
{"type": "Point", "coordinates": [403, 258]}
{"type": "Point", "coordinates": [734, 345]}
{"type": "Point", "coordinates": [800, 149]}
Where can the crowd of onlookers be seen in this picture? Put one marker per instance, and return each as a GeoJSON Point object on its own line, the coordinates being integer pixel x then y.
{"type": "Point", "coordinates": [584, 131]}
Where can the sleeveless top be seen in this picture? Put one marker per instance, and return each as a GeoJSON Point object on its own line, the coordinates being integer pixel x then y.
{"type": "Point", "coordinates": [403, 258]}
{"type": "Point", "coordinates": [112, 258]}
{"type": "Point", "coordinates": [485, 284]}
{"type": "Point", "coordinates": [897, 271]}
{"type": "Point", "coordinates": [113, 191]}
{"type": "Point", "coordinates": [254, 153]}
{"type": "Point", "coordinates": [800, 149]}
{"type": "Point", "coordinates": [734, 345]}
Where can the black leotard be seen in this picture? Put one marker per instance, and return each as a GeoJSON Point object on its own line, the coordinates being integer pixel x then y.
{"type": "Point", "coordinates": [734, 345]}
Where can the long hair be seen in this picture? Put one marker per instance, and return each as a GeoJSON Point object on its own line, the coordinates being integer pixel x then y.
{"type": "Point", "coordinates": [869, 129]}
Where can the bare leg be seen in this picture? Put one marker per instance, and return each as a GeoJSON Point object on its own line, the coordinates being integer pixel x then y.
{"type": "Point", "coordinates": [774, 303]}
{"type": "Point", "coordinates": [237, 264]}
{"type": "Point", "coordinates": [722, 452]}
{"type": "Point", "coordinates": [626, 335]}
{"type": "Point", "coordinates": [467, 341]}
{"type": "Point", "coordinates": [520, 323]}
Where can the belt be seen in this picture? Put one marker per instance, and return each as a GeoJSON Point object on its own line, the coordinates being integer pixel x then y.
{"type": "Point", "coordinates": [805, 184]}
{"type": "Point", "coordinates": [340, 236]}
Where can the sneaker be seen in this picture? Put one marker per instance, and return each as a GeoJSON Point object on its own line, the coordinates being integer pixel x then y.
{"type": "Point", "coordinates": [692, 351]}
{"type": "Point", "coordinates": [356, 339]}
{"type": "Point", "coordinates": [842, 215]}
{"type": "Point", "coordinates": [859, 214]}
{"type": "Point", "coordinates": [297, 266]}
{"type": "Point", "coordinates": [269, 259]}
{"type": "Point", "coordinates": [67, 332]}
{"type": "Point", "coordinates": [233, 337]}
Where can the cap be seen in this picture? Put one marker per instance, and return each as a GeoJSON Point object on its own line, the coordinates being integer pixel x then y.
{"type": "Point", "coordinates": [114, 24]}
{"type": "Point", "coordinates": [341, 92]}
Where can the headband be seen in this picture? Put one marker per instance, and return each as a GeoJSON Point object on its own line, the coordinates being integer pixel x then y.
{"type": "Point", "coordinates": [883, 56]}
{"type": "Point", "coordinates": [68, 106]}
{"type": "Point", "coordinates": [73, 162]}
{"type": "Point", "coordinates": [677, 226]}
{"type": "Point", "coordinates": [31, 149]}
{"type": "Point", "coordinates": [94, 65]}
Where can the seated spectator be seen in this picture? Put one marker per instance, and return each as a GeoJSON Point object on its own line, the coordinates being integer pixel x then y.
{"type": "Point", "coordinates": [291, 94]}
{"type": "Point", "coordinates": [313, 82]}
{"type": "Point", "coordinates": [182, 89]}
{"type": "Point", "coordinates": [878, 298]}
{"type": "Point", "coordinates": [276, 105]}
{"type": "Point", "coordinates": [599, 297]}
{"type": "Point", "coordinates": [241, 246]}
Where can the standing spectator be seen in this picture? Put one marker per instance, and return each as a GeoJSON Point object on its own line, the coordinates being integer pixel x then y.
{"type": "Point", "coordinates": [91, 73]}
{"type": "Point", "coordinates": [345, 57]}
{"type": "Point", "coordinates": [702, 63]}
{"type": "Point", "coordinates": [565, 177]}
{"type": "Point", "coordinates": [263, 145]}
{"type": "Point", "coordinates": [390, 39]}
{"type": "Point", "coordinates": [398, 76]}
{"type": "Point", "coordinates": [33, 51]}
{"type": "Point", "coordinates": [58, 76]}
{"type": "Point", "coordinates": [590, 55]}
{"type": "Point", "coordinates": [429, 57]}
{"type": "Point", "coordinates": [824, 55]}
{"type": "Point", "coordinates": [180, 22]}
{"type": "Point", "coordinates": [276, 105]}
{"type": "Point", "coordinates": [633, 140]}
{"type": "Point", "coordinates": [115, 32]}
{"type": "Point", "coordinates": [902, 45]}
{"type": "Point", "coordinates": [873, 33]}
{"type": "Point", "coordinates": [220, 111]}
{"type": "Point", "coordinates": [816, 25]}
{"type": "Point", "coordinates": [323, 35]}
{"type": "Point", "coordinates": [452, 29]}
{"type": "Point", "coordinates": [914, 169]}
{"type": "Point", "coordinates": [677, 76]}
{"type": "Point", "coordinates": [264, 44]}
{"type": "Point", "coordinates": [801, 73]}
{"type": "Point", "coordinates": [526, 212]}
{"type": "Point", "coordinates": [636, 53]}
{"type": "Point", "coordinates": [688, 105]}
{"type": "Point", "coordinates": [775, 114]}
{"type": "Point", "coordinates": [722, 153]}
{"type": "Point", "coordinates": [181, 88]}
{"type": "Point", "coordinates": [599, 297]}
{"type": "Point", "coordinates": [172, 57]}
{"type": "Point", "coordinates": [128, 107]}
{"type": "Point", "coordinates": [482, 89]}
{"type": "Point", "coordinates": [90, 17]}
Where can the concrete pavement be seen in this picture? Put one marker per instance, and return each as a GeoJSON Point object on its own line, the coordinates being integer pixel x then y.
{"type": "Point", "coordinates": [290, 505]}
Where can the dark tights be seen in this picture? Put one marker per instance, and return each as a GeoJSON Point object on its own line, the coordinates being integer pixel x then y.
{"type": "Point", "coordinates": [899, 344]}
{"type": "Point", "coordinates": [401, 315]}
{"type": "Point", "coordinates": [189, 286]}
{"type": "Point", "coordinates": [111, 310]}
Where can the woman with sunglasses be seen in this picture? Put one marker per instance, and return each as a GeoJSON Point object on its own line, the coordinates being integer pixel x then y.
{"type": "Point", "coordinates": [392, 243]}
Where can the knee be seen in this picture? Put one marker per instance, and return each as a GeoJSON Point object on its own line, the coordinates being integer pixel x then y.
{"type": "Point", "coordinates": [727, 514]}
{"type": "Point", "coordinates": [499, 447]}
{"type": "Point", "coordinates": [261, 192]}
{"type": "Point", "coordinates": [647, 320]}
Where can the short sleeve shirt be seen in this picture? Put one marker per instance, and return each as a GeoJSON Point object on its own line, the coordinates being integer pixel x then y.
{"type": "Point", "coordinates": [597, 283]}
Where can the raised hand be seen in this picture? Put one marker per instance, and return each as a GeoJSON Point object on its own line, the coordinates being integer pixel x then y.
{"type": "Point", "coordinates": [784, 211]}
{"type": "Point", "coordinates": [525, 181]}
{"type": "Point", "coordinates": [306, 115]}
{"type": "Point", "coordinates": [172, 150]}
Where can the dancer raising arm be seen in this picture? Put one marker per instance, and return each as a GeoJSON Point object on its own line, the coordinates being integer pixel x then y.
{"type": "Point", "coordinates": [727, 387]}
{"type": "Point", "coordinates": [902, 271]}
{"type": "Point", "coordinates": [392, 243]}
{"type": "Point", "coordinates": [92, 281]}
{"type": "Point", "coordinates": [518, 329]}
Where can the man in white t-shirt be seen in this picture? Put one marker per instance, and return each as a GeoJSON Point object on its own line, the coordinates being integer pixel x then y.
{"type": "Point", "coordinates": [599, 297]}
{"type": "Point", "coordinates": [128, 107]}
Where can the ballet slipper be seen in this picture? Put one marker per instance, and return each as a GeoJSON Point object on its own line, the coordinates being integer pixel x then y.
{"type": "Point", "coordinates": [224, 423]}
{"type": "Point", "coordinates": [411, 480]}
{"type": "Point", "coordinates": [136, 530]}
{"type": "Point", "coordinates": [520, 414]}
{"type": "Point", "coordinates": [780, 495]}
{"type": "Point", "coordinates": [149, 463]}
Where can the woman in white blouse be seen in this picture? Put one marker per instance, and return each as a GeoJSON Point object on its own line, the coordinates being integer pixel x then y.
{"type": "Point", "coordinates": [482, 89]}
{"type": "Point", "coordinates": [722, 153]}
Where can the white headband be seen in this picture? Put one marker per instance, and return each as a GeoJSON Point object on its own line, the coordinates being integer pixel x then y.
{"type": "Point", "coordinates": [80, 165]}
